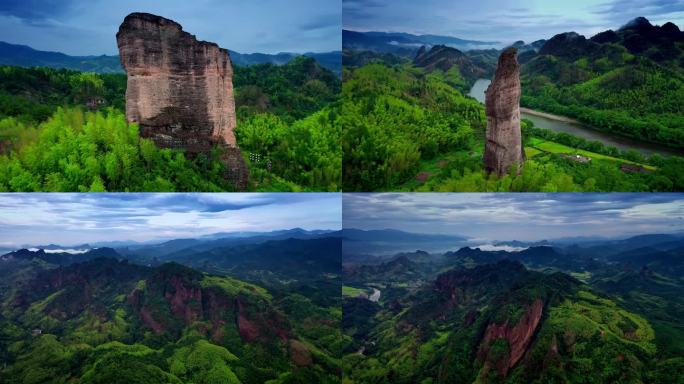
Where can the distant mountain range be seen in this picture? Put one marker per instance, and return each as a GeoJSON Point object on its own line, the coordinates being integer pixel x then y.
{"type": "Point", "coordinates": [406, 44]}
{"type": "Point", "coordinates": [388, 241]}
{"type": "Point", "coordinates": [25, 56]}
{"type": "Point", "coordinates": [263, 257]}
{"type": "Point", "coordinates": [218, 238]}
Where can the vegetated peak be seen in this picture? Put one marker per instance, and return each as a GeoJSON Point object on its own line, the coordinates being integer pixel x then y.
{"type": "Point", "coordinates": [671, 28]}
{"type": "Point", "coordinates": [466, 251]}
{"type": "Point", "coordinates": [504, 271]}
{"type": "Point", "coordinates": [608, 36]}
{"type": "Point", "coordinates": [539, 249]}
{"type": "Point", "coordinates": [443, 58]}
{"type": "Point", "coordinates": [173, 269]}
{"type": "Point", "coordinates": [518, 44]}
{"type": "Point", "coordinates": [637, 22]}
{"type": "Point", "coordinates": [22, 254]}
{"type": "Point", "coordinates": [567, 44]}
{"type": "Point", "coordinates": [402, 260]}
{"type": "Point", "coordinates": [423, 53]}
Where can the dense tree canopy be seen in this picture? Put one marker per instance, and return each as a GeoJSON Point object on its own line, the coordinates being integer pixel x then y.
{"type": "Point", "coordinates": [289, 129]}
{"type": "Point", "coordinates": [407, 130]}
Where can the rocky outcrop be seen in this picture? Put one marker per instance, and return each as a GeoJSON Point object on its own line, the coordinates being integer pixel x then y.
{"type": "Point", "coordinates": [503, 148]}
{"type": "Point", "coordinates": [517, 337]}
{"type": "Point", "coordinates": [248, 330]}
{"type": "Point", "coordinates": [185, 301]}
{"type": "Point", "coordinates": [180, 90]}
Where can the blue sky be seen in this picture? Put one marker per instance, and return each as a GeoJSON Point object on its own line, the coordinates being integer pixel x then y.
{"type": "Point", "coordinates": [505, 20]}
{"type": "Point", "coordinates": [76, 218]}
{"type": "Point", "coordinates": [513, 216]}
{"type": "Point", "coordinates": [88, 27]}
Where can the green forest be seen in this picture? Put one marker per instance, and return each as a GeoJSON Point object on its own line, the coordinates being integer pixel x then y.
{"type": "Point", "coordinates": [408, 130]}
{"type": "Point", "coordinates": [628, 82]}
{"type": "Point", "coordinates": [581, 314]}
{"type": "Point", "coordinates": [63, 130]}
{"type": "Point", "coordinates": [108, 321]}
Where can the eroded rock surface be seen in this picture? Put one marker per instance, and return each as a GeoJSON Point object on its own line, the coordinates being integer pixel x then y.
{"type": "Point", "coordinates": [180, 90]}
{"type": "Point", "coordinates": [518, 337]}
{"type": "Point", "coordinates": [503, 148]}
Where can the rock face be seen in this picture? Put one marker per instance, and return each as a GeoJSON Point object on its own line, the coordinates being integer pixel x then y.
{"type": "Point", "coordinates": [180, 90]}
{"type": "Point", "coordinates": [517, 337]}
{"type": "Point", "coordinates": [503, 147]}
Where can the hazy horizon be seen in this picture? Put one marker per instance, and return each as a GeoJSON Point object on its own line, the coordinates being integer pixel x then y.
{"type": "Point", "coordinates": [89, 28]}
{"type": "Point", "coordinates": [514, 216]}
{"type": "Point", "coordinates": [504, 21]}
{"type": "Point", "coordinates": [74, 218]}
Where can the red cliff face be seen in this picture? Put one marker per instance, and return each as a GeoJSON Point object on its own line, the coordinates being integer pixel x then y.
{"type": "Point", "coordinates": [248, 330]}
{"type": "Point", "coordinates": [503, 148]}
{"type": "Point", "coordinates": [185, 301]}
{"type": "Point", "coordinates": [180, 90]}
{"type": "Point", "coordinates": [517, 336]}
{"type": "Point", "coordinates": [211, 309]}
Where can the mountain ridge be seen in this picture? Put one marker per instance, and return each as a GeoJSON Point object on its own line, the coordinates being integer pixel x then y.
{"type": "Point", "coordinates": [26, 56]}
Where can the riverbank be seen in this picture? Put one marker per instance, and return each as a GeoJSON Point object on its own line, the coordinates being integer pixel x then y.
{"type": "Point", "coordinates": [574, 127]}
{"type": "Point", "coordinates": [549, 116]}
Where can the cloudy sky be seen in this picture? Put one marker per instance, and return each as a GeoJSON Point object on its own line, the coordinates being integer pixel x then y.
{"type": "Point", "coordinates": [76, 218]}
{"type": "Point", "coordinates": [511, 216]}
{"type": "Point", "coordinates": [80, 27]}
{"type": "Point", "coordinates": [505, 20]}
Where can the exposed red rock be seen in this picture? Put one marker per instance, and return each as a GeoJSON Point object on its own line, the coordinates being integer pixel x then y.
{"type": "Point", "coordinates": [503, 147]}
{"type": "Point", "coordinates": [134, 297]}
{"type": "Point", "coordinates": [179, 90]}
{"type": "Point", "coordinates": [147, 318]}
{"type": "Point", "coordinates": [248, 331]}
{"type": "Point", "coordinates": [216, 306]}
{"type": "Point", "coordinates": [517, 336]}
{"type": "Point", "coordinates": [181, 298]}
{"type": "Point", "coordinates": [300, 354]}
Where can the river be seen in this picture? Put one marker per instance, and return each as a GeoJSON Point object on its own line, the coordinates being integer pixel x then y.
{"type": "Point", "coordinates": [564, 124]}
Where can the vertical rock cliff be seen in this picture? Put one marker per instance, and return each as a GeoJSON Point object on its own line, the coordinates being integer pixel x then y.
{"type": "Point", "coordinates": [180, 90]}
{"type": "Point", "coordinates": [503, 147]}
{"type": "Point", "coordinates": [517, 338]}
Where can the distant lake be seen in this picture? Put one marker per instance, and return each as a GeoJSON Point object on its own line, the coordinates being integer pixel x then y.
{"type": "Point", "coordinates": [576, 128]}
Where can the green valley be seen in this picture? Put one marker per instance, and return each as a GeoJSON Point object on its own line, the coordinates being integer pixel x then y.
{"type": "Point", "coordinates": [409, 126]}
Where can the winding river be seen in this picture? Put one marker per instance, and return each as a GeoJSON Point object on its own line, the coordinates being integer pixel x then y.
{"type": "Point", "coordinates": [564, 124]}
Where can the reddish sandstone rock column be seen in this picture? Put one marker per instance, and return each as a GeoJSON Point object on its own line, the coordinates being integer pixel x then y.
{"type": "Point", "coordinates": [503, 148]}
{"type": "Point", "coordinates": [179, 89]}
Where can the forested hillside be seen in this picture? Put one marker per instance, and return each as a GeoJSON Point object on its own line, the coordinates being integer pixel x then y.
{"type": "Point", "coordinates": [106, 321]}
{"type": "Point", "coordinates": [406, 129]}
{"type": "Point", "coordinates": [63, 130]}
{"type": "Point", "coordinates": [598, 312]}
{"type": "Point", "coordinates": [629, 82]}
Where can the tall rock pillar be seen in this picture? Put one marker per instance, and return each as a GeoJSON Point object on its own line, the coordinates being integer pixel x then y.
{"type": "Point", "coordinates": [503, 148]}
{"type": "Point", "coordinates": [180, 90]}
